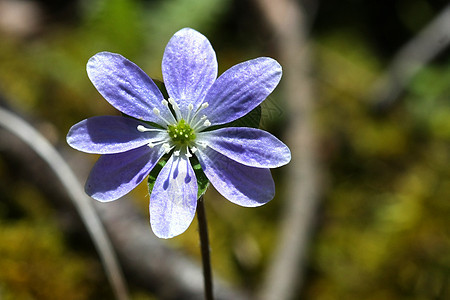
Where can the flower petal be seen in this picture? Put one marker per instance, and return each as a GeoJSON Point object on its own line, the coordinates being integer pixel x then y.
{"type": "Point", "coordinates": [241, 88]}
{"type": "Point", "coordinates": [114, 175]}
{"type": "Point", "coordinates": [242, 185]}
{"type": "Point", "coordinates": [248, 146]}
{"type": "Point", "coordinates": [189, 67]}
{"type": "Point", "coordinates": [110, 134]}
{"type": "Point", "coordinates": [125, 86]}
{"type": "Point", "coordinates": [174, 198]}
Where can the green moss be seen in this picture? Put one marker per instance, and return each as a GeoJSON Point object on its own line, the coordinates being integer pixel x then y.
{"type": "Point", "coordinates": [35, 264]}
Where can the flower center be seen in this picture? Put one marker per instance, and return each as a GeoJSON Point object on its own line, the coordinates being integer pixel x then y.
{"type": "Point", "coordinates": [181, 133]}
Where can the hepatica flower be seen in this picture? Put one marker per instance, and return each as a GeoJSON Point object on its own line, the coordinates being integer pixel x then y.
{"type": "Point", "coordinates": [183, 128]}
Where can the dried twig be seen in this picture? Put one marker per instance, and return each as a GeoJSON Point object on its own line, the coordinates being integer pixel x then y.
{"type": "Point", "coordinates": [410, 59]}
{"type": "Point", "coordinates": [288, 23]}
{"type": "Point", "coordinates": [83, 204]}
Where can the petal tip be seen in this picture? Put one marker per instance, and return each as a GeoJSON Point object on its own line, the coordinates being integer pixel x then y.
{"type": "Point", "coordinates": [100, 197]}
{"type": "Point", "coordinates": [164, 231]}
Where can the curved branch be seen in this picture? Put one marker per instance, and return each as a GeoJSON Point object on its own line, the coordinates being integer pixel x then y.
{"type": "Point", "coordinates": [410, 59]}
{"type": "Point", "coordinates": [83, 204]}
{"type": "Point", "coordinates": [289, 26]}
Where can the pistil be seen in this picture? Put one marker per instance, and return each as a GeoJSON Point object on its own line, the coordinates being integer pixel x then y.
{"type": "Point", "coordinates": [181, 133]}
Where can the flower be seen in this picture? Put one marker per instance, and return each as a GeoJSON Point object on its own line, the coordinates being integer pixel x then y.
{"type": "Point", "coordinates": [236, 160]}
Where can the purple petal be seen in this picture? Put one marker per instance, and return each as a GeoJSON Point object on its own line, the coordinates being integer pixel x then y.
{"type": "Point", "coordinates": [109, 134]}
{"type": "Point", "coordinates": [241, 88]}
{"type": "Point", "coordinates": [189, 67]}
{"type": "Point", "coordinates": [126, 86]}
{"type": "Point", "coordinates": [242, 185]}
{"type": "Point", "coordinates": [248, 146]}
{"type": "Point", "coordinates": [114, 175]}
{"type": "Point", "coordinates": [174, 198]}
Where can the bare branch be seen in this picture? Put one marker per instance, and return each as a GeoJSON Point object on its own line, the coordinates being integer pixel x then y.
{"type": "Point", "coordinates": [288, 23]}
{"type": "Point", "coordinates": [83, 204]}
{"type": "Point", "coordinates": [410, 59]}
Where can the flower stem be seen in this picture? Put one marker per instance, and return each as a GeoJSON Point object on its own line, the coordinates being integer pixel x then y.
{"type": "Point", "coordinates": [204, 247]}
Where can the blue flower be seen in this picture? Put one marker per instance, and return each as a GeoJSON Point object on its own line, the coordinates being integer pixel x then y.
{"type": "Point", "coordinates": [236, 160]}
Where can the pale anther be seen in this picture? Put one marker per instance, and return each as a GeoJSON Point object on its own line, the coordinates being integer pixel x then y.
{"type": "Point", "coordinates": [141, 128]}
{"type": "Point", "coordinates": [193, 149]}
{"type": "Point", "coordinates": [207, 123]}
{"type": "Point", "coordinates": [176, 153]}
{"type": "Point", "coordinates": [202, 144]}
{"type": "Point", "coordinates": [157, 112]}
{"type": "Point", "coordinates": [190, 108]}
{"type": "Point", "coordinates": [174, 104]}
{"type": "Point", "coordinates": [166, 147]}
{"type": "Point", "coordinates": [176, 108]}
{"type": "Point", "coordinates": [187, 153]}
{"type": "Point", "coordinates": [205, 104]}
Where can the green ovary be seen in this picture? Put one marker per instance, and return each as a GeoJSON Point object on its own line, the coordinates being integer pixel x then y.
{"type": "Point", "coordinates": [181, 134]}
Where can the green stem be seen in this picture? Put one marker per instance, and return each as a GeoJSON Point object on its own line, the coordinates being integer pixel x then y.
{"type": "Point", "coordinates": [204, 247]}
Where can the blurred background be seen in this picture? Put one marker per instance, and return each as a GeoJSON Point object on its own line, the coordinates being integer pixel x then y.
{"type": "Point", "coordinates": [363, 210]}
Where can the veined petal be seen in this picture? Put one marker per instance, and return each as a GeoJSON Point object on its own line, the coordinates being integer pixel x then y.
{"type": "Point", "coordinates": [189, 67]}
{"type": "Point", "coordinates": [174, 198]}
{"type": "Point", "coordinates": [241, 88]}
{"type": "Point", "coordinates": [125, 86]}
{"type": "Point", "coordinates": [114, 175]}
{"type": "Point", "coordinates": [248, 146]}
{"type": "Point", "coordinates": [110, 134]}
{"type": "Point", "coordinates": [242, 185]}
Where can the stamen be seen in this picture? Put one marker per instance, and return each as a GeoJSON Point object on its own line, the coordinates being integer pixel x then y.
{"type": "Point", "coordinates": [188, 154]}
{"type": "Point", "coordinates": [200, 126]}
{"type": "Point", "coordinates": [157, 112]}
{"type": "Point", "coordinates": [193, 149]}
{"type": "Point", "coordinates": [202, 144]}
{"type": "Point", "coordinates": [166, 147]}
{"type": "Point", "coordinates": [176, 153]}
{"type": "Point", "coordinates": [176, 108]}
{"type": "Point", "coordinates": [203, 106]}
{"type": "Point", "coordinates": [142, 128]}
{"type": "Point", "coordinates": [199, 121]}
{"type": "Point", "coordinates": [190, 108]}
